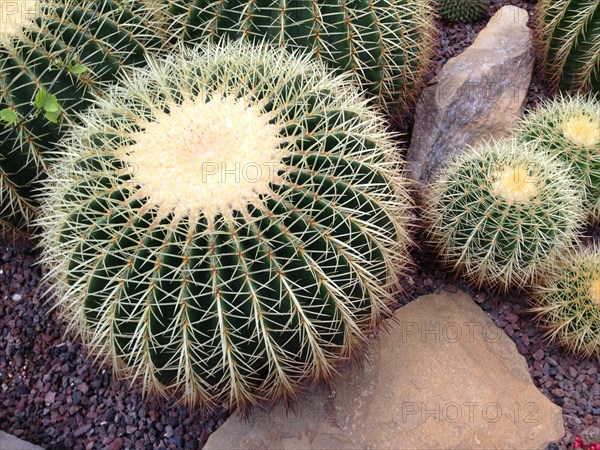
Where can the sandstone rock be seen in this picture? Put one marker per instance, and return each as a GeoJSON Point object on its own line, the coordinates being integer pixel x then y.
{"type": "Point", "coordinates": [477, 95]}
{"type": "Point", "coordinates": [443, 377]}
{"type": "Point", "coordinates": [9, 442]}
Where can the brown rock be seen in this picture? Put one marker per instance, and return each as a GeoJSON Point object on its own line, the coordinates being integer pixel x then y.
{"type": "Point", "coordinates": [443, 377]}
{"type": "Point", "coordinates": [477, 95]}
{"type": "Point", "coordinates": [8, 442]}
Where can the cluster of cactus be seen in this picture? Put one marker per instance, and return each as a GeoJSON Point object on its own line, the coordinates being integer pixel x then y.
{"type": "Point", "coordinates": [386, 44]}
{"type": "Point", "coordinates": [569, 128]}
{"type": "Point", "coordinates": [501, 211]}
{"type": "Point", "coordinates": [463, 11]}
{"type": "Point", "coordinates": [568, 304]}
{"type": "Point", "coordinates": [55, 55]}
{"type": "Point", "coordinates": [568, 40]}
{"type": "Point", "coordinates": [227, 224]}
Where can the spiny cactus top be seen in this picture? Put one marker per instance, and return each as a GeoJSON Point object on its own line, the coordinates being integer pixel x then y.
{"type": "Point", "coordinates": [227, 224]}
{"type": "Point", "coordinates": [501, 211]}
{"type": "Point", "coordinates": [568, 304]}
{"type": "Point", "coordinates": [569, 127]}
{"type": "Point", "coordinates": [54, 55]}
{"type": "Point", "coordinates": [463, 10]}
{"type": "Point", "coordinates": [568, 37]}
{"type": "Point", "coordinates": [386, 44]}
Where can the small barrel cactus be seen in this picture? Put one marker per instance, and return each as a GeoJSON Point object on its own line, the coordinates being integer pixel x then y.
{"type": "Point", "coordinates": [54, 55]}
{"type": "Point", "coordinates": [500, 211]}
{"type": "Point", "coordinates": [386, 44]}
{"type": "Point", "coordinates": [567, 305]}
{"type": "Point", "coordinates": [227, 224]}
{"type": "Point", "coordinates": [569, 127]}
{"type": "Point", "coordinates": [568, 42]}
{"type": "Point", "coordinates": [463, 11]}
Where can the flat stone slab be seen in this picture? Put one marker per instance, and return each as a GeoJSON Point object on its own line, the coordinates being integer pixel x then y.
{"type": "Point", "coordinates": [10, 442]}
{"type": "Point", "coordinates": [443, 377]}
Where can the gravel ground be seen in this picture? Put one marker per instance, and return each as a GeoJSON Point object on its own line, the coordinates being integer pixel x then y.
{"type": "Point", "coordinates": [53, 396]}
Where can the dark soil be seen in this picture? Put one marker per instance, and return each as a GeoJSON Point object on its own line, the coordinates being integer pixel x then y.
{"type": "Point", "coordinates": [52, 395]}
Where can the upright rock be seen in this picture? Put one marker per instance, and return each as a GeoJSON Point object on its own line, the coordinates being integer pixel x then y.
{"type": "Point", "coordinates": [477, 95]}
{"type": "Point", "coordinates": [443, 377]}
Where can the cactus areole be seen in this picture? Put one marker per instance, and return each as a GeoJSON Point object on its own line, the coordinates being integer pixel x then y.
{"type": "Point", "coordinates": [227, 225]}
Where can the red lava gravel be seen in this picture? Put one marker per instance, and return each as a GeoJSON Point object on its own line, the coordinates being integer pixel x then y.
{"type": "Point", "coordinates": [52, 395]}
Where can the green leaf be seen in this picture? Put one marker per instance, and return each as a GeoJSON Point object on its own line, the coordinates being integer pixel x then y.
{"type": "Point", "coordinates": [52, 116]}
{"type": "Point", "coordinates": [48, 103]}
{"type": "Point", "coordinates": [40, 99]}
{"type": "Point", "coordinates": [77, 69]}
{"type": "Point", "coordinates": [9, 117]}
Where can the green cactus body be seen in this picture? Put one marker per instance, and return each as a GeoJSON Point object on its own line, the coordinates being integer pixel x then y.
{"type": "Point", "coordinates": [386, 44]}
{"type": "Point", "coordinates": [33, 56]}
{"type": "Point", "coordinates": [228, 224]}
{"type": "Point", "coordinates": [463, 11]}
{"type": "Point", "coordinates": [567, 305]}
{"type": "Point", "coordinates": [568, 41]}
{"type": "Point", "coordinates": [501, 210]}
{"type": "Point", "coordinates": [569, 127]}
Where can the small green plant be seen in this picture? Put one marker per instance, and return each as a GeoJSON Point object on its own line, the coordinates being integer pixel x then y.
{"type": "Point", "coordinates": [48, 104]}
{"type": "Point", "coordinates": [463, 11]}
{"type": "Point", "coordinates": [568, 303]}
{"type": "Point", "coordinates": [55, 55]}
{"type": "Point", "coordinates": [501, 210]}
{"type": "Point", "coordinates": [568, 44]}
{"type": "Point", "coordinates": [227, 224]}
{"type": "Point", "coordinates": [569, 128]}
{"type": "Point", "coordinates": [387, 45]}
{"type": "Point", "coordinates": [9, 117]}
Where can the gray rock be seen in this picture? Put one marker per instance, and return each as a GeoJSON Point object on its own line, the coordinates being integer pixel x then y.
{"type": "Point", "coordinates": [477, 95]}
{"type": "Point", "coordinates": [443, 377]}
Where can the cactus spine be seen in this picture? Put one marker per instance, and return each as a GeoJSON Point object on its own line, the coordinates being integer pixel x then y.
{"type": "Point", "coordinates": [464, 11]}
{"type": "Point", "coordinates": [501, 211]}
{"type": "Point", "coordinates": [568, 304]}
{"type": "Point", "coordinates": [386, 44]}
{"type": "Point", "coordinates": [38, 57]}
{"type": "Point", "coordinates": [227, 225]}
{"type": "Point", "coordinates": [568, 38]}
{"type": "Point", "coordinates": [569, 128]}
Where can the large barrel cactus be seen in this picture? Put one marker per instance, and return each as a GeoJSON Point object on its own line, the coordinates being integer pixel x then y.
{"type": "Point", "coordinates": [501, 211]}
{"type": "Point", "coordinates": [568, 304]}
{"type": "Point", "coordinates": [386, 44]}
{"type": "Point", "coordinates": [568, 41]}
{"type": "Point", "coordinates": [54, 56]}
{"type": "Point", "coordinates": [227, 225]}
{"type": "Point", "coordinates": [568, 127]}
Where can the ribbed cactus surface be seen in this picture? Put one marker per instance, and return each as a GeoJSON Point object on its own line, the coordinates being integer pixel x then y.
{"type": "Point", "coordinates": [502, 210]}
{"type": "Point", "coordinates": [569, 128]}
{"type": "Point", "coordinates": [54, 56]}
{"type": "Point", "coordinates": [386, 44]}
{"type": "Point", "coordinates": [463, 11]}
{"type": "Point", "coordinates": [227, 225]}
{"type": "Point", "coordinates": [568, 37]}
{"type": "Point", "coordinates": [568, 304]}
